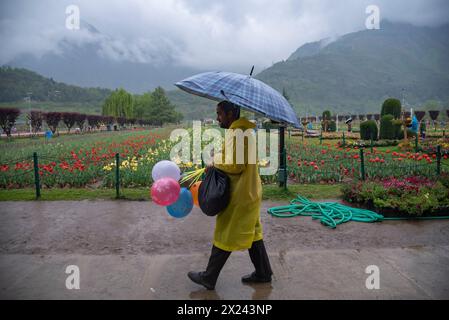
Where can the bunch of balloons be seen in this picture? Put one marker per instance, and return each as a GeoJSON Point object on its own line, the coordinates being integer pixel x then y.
{"type": "Point", "coordinates": [166, 190]}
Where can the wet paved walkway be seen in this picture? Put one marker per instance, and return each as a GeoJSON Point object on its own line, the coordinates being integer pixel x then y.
{"type": "Point", "coordinates": [135, 250]}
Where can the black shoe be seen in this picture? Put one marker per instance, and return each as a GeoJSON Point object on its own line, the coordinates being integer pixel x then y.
{"type": "Point", "coordinates": [198, 278]}
{"type": "Point", "coordinates": [253, 278]}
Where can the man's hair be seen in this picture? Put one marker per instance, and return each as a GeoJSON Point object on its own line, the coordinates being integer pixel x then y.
{"type": "Point", "coordinates": [230, 107]}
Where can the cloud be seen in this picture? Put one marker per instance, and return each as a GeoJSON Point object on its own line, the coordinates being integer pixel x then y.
{"type": "Point", "coordinates": [204, 34]}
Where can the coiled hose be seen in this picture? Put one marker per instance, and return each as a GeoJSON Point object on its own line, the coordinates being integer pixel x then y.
{"type": "Point", "coordinates": [331, 214]}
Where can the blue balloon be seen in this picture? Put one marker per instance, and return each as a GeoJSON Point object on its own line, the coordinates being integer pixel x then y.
{"type": "Point", "coordinates": [183, 205]}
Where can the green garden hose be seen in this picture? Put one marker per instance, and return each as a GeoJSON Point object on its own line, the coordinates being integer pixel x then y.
{"type": "Point", "coordinates": [331, 214]}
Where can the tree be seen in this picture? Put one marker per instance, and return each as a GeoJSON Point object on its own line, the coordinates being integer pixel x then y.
{"type": "Point", "coordinates": [36, 118]}
{"type": "Point", "coordinates": [162, 110]}
{"type": "Point", "coordinates": [119, 104]}
{"type": "Point", "coordinates": [121, 121]}
{"type": "Point", "coordinates": [142, 106]}
{"type": "Point", "coordinates": [94, 120]}
{"type": "Point", "coordinates": [108, 120]}
{"type": "Point", "coordinates": [80, 118]}
{"type": "Point", "coordinates": [52, 119]}
{"type": "Point", "coordinates": [69, 119]}
{"type": "Point", "coordinates": [8, 117]}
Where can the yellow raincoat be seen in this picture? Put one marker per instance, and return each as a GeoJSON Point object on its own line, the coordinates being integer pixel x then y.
{"type": "Point", "coordinates": [238, 226]}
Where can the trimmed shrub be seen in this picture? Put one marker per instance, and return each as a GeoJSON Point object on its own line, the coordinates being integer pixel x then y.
{"type": "Point", "coordinates": [52, 119]}
{"type": "Point", "coordinates": [121, 121]}
{"type": "Point", "coordinates": [328, 126]}
{"type": "Point", "coordinates": [391, 106]}
{"type": "Point", "coordinates": [420, 115]}
{"type": "Point", "coordinates": [80, 120]}
{"type": "Point", "coordinates": [36, 118]}
{"type": "Point", "coordinates": [434, 114]}
{"type": "Point", "coordinates": [387, 129]}
{"type": "Point", "coordinates": [398, 129]}
{"type": "Point", "coordinates": [326, 122]}
{"type": "Point", "coordinates": [69, 119]}
{"type": "Point", "coordinates": [368, 129]}
{"type": "Point", "coordinates": [94, 121]}
{"type": "Point", "coordinates": [8, 117]}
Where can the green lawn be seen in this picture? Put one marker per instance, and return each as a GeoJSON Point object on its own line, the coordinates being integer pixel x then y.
{"type": "Point", "coordinates": [270, 192]}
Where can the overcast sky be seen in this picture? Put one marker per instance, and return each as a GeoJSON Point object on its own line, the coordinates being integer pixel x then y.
{"type": "Point", "coordinates": [204, 34]}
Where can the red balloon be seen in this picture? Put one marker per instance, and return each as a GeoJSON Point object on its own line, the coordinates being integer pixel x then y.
{"type": "Point", "coordinates": [165, 191]}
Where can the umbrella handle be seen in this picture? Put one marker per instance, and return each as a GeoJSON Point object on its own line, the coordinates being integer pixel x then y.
{"type": "Point", "coordinates": [251, 73]}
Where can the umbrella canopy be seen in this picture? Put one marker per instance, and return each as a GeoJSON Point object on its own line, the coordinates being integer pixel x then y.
{"type": "Point", "coordinates": [242, 90]}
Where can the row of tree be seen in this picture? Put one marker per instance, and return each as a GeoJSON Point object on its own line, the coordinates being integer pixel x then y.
{"type": "Point", "coordinates": [433, 114]}
{"type": "Point", "coordinates": [8, 118]}
{"type": "Point", "coordinates": [154, 107]}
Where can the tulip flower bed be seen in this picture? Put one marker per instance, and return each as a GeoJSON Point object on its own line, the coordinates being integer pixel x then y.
{"type": "Point", "coordinates": [430, 145]}
{"type": "Point", "coordinates": [89, 160]}
{"type": "Point", "coordinates": [367, 143]}
{"type": "Point", "coordinates": [309, 163]}
{"type": "Point", "coordinates": [404, 196]}
{"type": "Point", "coordinates": [85, 161]}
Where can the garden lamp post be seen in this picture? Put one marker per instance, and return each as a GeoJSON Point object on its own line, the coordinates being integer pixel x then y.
{"type": "Point", "coordinates": [29, 108]}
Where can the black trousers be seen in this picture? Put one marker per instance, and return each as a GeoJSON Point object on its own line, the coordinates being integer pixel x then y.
{"type": "Point", "coordinates": [218, 258]}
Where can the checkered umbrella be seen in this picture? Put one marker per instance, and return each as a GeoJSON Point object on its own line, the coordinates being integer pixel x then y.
{"type": "Point", "coordinates": [241, 90]}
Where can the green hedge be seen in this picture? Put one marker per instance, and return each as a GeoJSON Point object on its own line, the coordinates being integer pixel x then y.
{"type": "Point", "coordinates": [368, 130]}
{"type": "Point", "coordinates": [391, 106]}
{"type": "Point", "coordinates": [387, 128]}
{"type": "Point", "coordinates": [331, 126]}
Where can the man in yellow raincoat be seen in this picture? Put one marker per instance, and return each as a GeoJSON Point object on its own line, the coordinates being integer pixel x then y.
{"type": "Point", "coordinates": [237, 227]}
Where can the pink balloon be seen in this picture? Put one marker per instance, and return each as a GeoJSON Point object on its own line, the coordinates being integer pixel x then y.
{"type": "Point", "coordinates": [165, 191]}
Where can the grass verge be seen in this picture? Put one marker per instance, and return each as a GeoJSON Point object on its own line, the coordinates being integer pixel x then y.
{"type": "Point", "coordinates": [270, 192]}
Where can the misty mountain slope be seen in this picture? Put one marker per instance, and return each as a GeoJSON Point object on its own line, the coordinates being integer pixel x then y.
{"type": "Point", "coordinates": [353, 73]}
{"type": "Point", "coordinates": [90, 64]}
{"type": "Point", "coordinates": [359, 70]}
{"type": "Point", "coordinates": [15, 84]}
